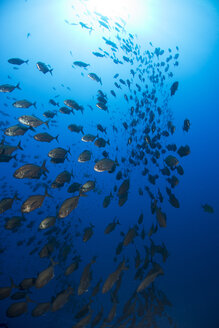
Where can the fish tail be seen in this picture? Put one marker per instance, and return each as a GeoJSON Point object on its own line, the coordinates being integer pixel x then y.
{"type": "Point", "coordinates": [32, 129]}
{"type": "Point", "coordinates": [28, 299]}
{"type": "Point", "coordinates": [53, 262]}
{"type": "Point", "coordinates": [43, 167]}
{"type": "Point", "coordinates": [94, 258]}
{"type": "Point", "coordinates": [68, 151]}
{"type": "Point", "coordinates": [51, 71]}
{"type": "Point", "coordinates": [47, 194]}
{"type": "Point", "coordinates": [27, 61]}
{"type": "Point", "coordinates": [15, 157]}
{"type": "Point", "coordinates": [19, 146]}
{"type": "Point", "coordinates": [57, 138]}
{"type": "Point", "coordinates": [12, 283]}
{"type": "Point", "coordinates": [18, 86]}
{"type": "Point", "coordinates": [47, 123]}
{"type": "Point", "coordinates": [34, 104]}
{"type": "Point", "coordinates": [16, 197]}
{"type": "Point", "coordinates": [108, 142]}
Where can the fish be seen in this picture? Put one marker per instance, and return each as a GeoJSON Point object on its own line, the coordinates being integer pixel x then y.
{"type": "Point", "coordinates": [33, 202]}
{"type": "Point", "coordinates": [58, 154]}
{"type": "Point", "coordinates": [88, 232]}
{"type": "Point", "coordinates": [73, 266]}
{"type": "Point", "coordinates": [105, 164]}
{"type": "Point", "coordinates": [17, 61]}
{"type": "Point", "coordinates": [111, 226]}
{"type": "Point", "coordinates": [23, 104]}
{"type": "Point", "coordinates": [174, 88]}
{"type": "Point", "coordinates": [75, 128]}
{"type": "Point", "coordinates": [17, 309]}
{"type": "Point", "coordinates": [100, 142]}
{"type": "Point", "coordinates": [42, 67]}
{"type": "Point", "coordinates": [88, 186]}
{"type": "Point", "coordinates": [161, 218]}
{"type": "Point", "coordinates": [68, 206]}
{"type": "Point", "coordinates": [30, 171]}
{"type": "Point", "coordinates": [151, 276]}
{"type": "Point", "coordinates": [13, 223]}
{"type": "Point", "coordinates": [9, 88]}
{"type": "Point", "coordinates": [86, 277]}
{"type": "Point", "coordinates": [113, 277]}
{"type": "Point", "coordinates": [45, 137]}
{"type": "Point", "coordinates": [31, 120]}
{"type": "Point", "coordinates": [61, 179]}
{"type": "Point", "coordinates": [27, 283]}
{"type": "Point", "coordinates": [45, 276]}
{"type": "Point", "coordinates": [41, 309]}
{"type": "Point", "coordinates": [183, 151]}
{"type": "Point", "coordinates": [208, 208]}
{"type": "Point", "coordinates": [186, 125]}
{"type": "Point", "coordinates": [6, 203]}
{"type": "Point", "coordinates": [65, 110]}
{"type": "Point", "coordinates": [74, 187]}
{"type": "Point", "coordinates": [80, 64]}
{"type": "Point", "coordinates": [17, 130]}
{"type": "Point", "coordinates": [171, 161]}
{"type": "Point", "coordinates": [107, 200]}
{"type": "Point", "coordinates": [85, 156]}
{"type": "Point", "coordinates": [61, 299]}
{"type": "Point", "coordinates": [48, 222]}
{"type": "Point", "coordinates": [94, 77]}
{"type": "Point", "coordinates": [5, 292]}
{"type": "Point", "coordinates": [98, 54]}
{"type": "Point", "coordinates": [88, 138]}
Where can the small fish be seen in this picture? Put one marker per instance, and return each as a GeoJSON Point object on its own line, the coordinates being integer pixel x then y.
{"type": "Point", "coordinates": [17, 61]}
{"type": "Point", "coordinates": [94, 77]}
{"type": "Point", "coordinates": [9, 88]}
{"type": "Point", "coordinates": [44, 68]}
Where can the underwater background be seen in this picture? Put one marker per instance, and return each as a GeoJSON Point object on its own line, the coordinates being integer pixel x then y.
{"type": "Point", "coordinates": [150, 112]}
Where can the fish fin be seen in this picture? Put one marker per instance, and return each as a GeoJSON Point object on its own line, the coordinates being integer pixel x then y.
{"type": "Point", "coordinates": [50, 71]}
{"type": "Point", "coordinates": [19, 146]}
{"type": "Point", "coordinates": [47, 123]}
{"type": "Point", "coordinates": [18, 86]}
{"type": "Point", "coordinates": [27, 61]}
{"type": "Point", "coordinates": [32, 129]}
{"type": "Point", "coordinates": [34, 104]}
{"type": "Point", "coordinates": [57, 138]}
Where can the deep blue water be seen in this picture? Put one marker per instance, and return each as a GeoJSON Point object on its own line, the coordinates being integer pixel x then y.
{"type": "Point", "coordinates": [50, 32]}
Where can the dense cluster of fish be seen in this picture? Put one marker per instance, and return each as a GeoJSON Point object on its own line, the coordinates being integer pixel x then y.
{"type": "Point", "coordinates": [147, 126]}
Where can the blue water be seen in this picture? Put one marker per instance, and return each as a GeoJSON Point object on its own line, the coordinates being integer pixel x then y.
{"type": "Point", "coordinates": [42, 31]}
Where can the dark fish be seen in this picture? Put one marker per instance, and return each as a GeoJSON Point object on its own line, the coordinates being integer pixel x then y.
{"type": "Point", "coordinates": [80, 64]}
{"type": "Point", "coordinates": [44, 68]}
{"type": "Point", "coordinates": [174, 88]}
{"type": "Point", "coordinates": [17, 61]}
{"type": "Point", "coordinates": [9, 87]}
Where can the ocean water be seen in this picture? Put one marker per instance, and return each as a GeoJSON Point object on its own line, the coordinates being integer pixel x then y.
{"type": "Point", "coordinates": [145, 47]}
